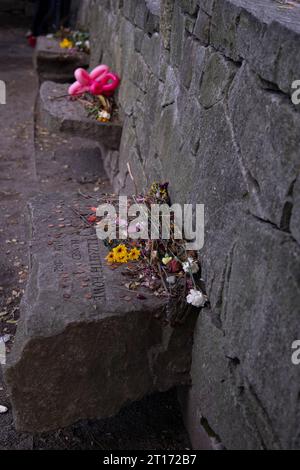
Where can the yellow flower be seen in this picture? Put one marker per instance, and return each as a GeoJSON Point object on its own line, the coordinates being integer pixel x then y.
{"type": "Point", "coordinates": [167, 259]}
{"type": "Point", "coordinates": [134, 254]}
{"type": "Point", "coordinates": [66, 44]}
{"type": "Point", "coordinates": [120, 254]}
{"type": "Point", "coordinates": [120, 251]}
{"type": "Point", "coordinates": [122, 259]}
{"type": "Point", "coordinates": [110, 258]}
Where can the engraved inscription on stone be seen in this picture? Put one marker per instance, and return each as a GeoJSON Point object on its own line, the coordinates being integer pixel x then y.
{"type": "Point", "coordinates": [97, 279]}
{"type": "Point", "coordinates": [58, 257]}
{"type": "Point", "coordinates": [73, 252]}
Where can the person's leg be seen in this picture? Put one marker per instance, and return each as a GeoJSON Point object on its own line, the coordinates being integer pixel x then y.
{"type": "Point", "coordinates": [65, 13]}
{"type": "Point", "coordinates": [41, 10]}
{"type": "Point", "coordinates": [51, 18]}
{"type": "Point", "coordinates": [56, 8]}
{"type": "Point", "coordinates": [37, 24]}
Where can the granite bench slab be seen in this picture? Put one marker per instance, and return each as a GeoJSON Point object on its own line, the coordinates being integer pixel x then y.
{"type": "Point", "coordinates": [86, 345]}
{"type": "Point", "coordinates": [51, 62]}
{"type": "Point", "coordinates": [59, 113]}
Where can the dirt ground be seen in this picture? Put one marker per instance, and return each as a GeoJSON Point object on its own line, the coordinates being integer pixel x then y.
{"type": "Point", "coordinates": [31, 161]}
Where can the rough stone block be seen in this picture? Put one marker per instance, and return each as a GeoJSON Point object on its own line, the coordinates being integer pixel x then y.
{"type": "Point", "coordinates": [166, 13]}
{"type": "Point", "coordinates": [56, 64]}
{"type": "Point", "coordinates": [217, 77]}
{"type": "Point", "coordinates": [138, 39]}
{"type": "Point", "coordinates": [186, 69]}
{"type": "Point", "coordinates": [70, 116]}
{"type": "Point", "coordinates": [177, 35]}
{"type": "Point", "coordinates": [243, 361]}
{"type": "Point", "coordinates": [151, 52]}
{"type": "Point", "coordinates": [216, 163]}
{"type": "Point", "coordinates": [141, 14]}
{"type": "Point", "coordinates": [262, 34]}
{"type": "Point", "coordinates": [82, 349]}
{"type": "Point", "coordinates": [260, 318]}
{"type": "Point", "coordinates": [154, 6]}
{"type": "Point", "coordinates": [202, 27]}
{"type": "Point", "coordinates": [189, 6]}
{"type": "Point", "coordinates": [212, 381]}
{"type": "Point", "coordinates": [129, 9]}
{"type": "Point", "coordinates": [267, 129]}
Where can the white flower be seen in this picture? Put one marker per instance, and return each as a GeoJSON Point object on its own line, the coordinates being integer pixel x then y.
{"type": "Point", "coordinates": [3, 409]}
{"type": "Point", "coordinates": [104, 115]}
{"type": "Point", "coordinates": [190, 266]}
{"type": "Point", "coordinates": [171, 279]}
{"type": "Point", "coordinates": [196, 298]}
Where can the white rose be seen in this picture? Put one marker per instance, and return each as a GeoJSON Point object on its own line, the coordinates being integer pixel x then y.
{"type": "Point", "coordinates": [190, 266]}
{"type": "Point", "coordinates": [196, 298]}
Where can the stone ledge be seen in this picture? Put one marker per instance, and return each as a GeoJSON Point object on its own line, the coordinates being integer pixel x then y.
{"type": "Point", "coordinates": [261, 33]}
{"type": "Point", "coordinates": [53, 63]}
{"type": "Point", "coordinates": [82, 350]}
{"type": "Point", "coordinates": [65, 115]}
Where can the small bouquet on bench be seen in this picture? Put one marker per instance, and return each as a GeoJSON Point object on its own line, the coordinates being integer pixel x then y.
{"type": "Point", "coordinates": [96, 90]}
{"type": "Point", "coordinates": [78, 40]}
{"type": "Point", "coordinates": [164, 266]}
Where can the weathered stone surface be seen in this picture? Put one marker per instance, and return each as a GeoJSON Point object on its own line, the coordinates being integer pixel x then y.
{"type": "Point", "coordinates": [211, 372]}
{"type": "Point", "coordinates": [267, 128]}
{"type": "Point", "coordinates": [243, 361]}
{"type": "Point", "coordinates": [150, 52]}
{"type": "Point", "coordinates": [202, 27]}
{"type": "Point", "coordinates": [83, 349]}
{"type": "Point", "coordinates": [266, 36]}
{"type": "Point", "coordinates": [217, 79]}
{"type": "Point", "coordinates": [166, 12]}
{"type": "Point", "coordinates": [295, 210]}
{"type": "Point", "coordinates": [260, 321]}
{"type": "Point", "coordinates": [217, 122]}
{"type": "Point", "coordinates": [56, 64]}
{"type": "Point", "coordinates": [189, 6]}
{"type": "Point", "coordinates": [177, 35]}
{"type": "Point", "coordinates": [58, 113]}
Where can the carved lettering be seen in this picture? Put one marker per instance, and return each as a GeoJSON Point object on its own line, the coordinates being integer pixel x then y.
{"type": "Point", "coordinates": [97, 279]}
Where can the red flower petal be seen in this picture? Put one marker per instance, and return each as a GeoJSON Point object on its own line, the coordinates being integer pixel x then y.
{"type": "Point", "coordinates": [174, 266]}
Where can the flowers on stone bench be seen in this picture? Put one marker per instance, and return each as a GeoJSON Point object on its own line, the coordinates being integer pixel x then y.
{"type": "Point", "coordinates": [163, 265]}
{"type": "Point", "coordinates": [95, 89]}
{"type": "Point", "coordinates": [77, 40]}
{"type": "Point", "coordinates": [66, 44]}
{"type": "Point", "coordinates": [121, 254]}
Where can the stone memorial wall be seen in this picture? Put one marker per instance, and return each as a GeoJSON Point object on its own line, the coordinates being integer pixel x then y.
{"type": "Point", "coordinates": [206, 98]}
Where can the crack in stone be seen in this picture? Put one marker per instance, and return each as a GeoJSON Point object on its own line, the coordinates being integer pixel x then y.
{"type": "Point", "coordinates": [274, 226]}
